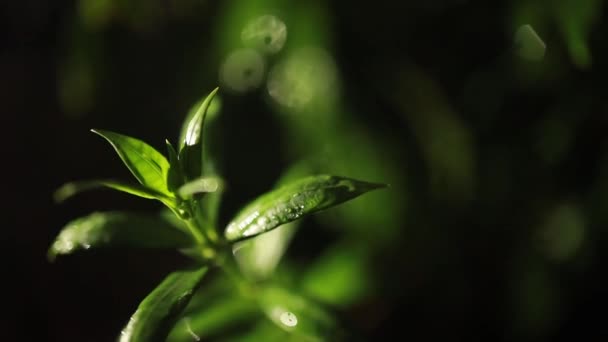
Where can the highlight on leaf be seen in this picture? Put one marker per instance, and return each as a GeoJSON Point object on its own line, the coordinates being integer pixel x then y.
{"type": "Point", "coordinates": [71, 189]}
{"type": "Point", "coordinates": [117, 229]}
{"type": "Point", "coordinates": [191, 140]}
{"type": "Point", "coordinates": [188, 183]}
{"type": "Point", "coordinates": [159, 311]}
{"type": "Point", "coordinates": [148, 165]}
{"type": "Point", "coordinates": [199, 186]}
{"type": "Point", "coordinates": [293, 201]}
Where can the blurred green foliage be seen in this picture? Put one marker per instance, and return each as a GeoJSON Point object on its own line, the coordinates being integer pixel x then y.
{"type": "Point", "coordinates": [497, 164]}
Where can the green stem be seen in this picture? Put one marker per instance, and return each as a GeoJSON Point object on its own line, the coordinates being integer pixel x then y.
{"type": "Point", "coordinates": [196, 234]}
{"type": "Point", "coordinates": [228, 266]}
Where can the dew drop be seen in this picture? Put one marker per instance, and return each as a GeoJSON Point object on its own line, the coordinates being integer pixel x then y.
{"type": "Point", "coordinates": [289, 319]}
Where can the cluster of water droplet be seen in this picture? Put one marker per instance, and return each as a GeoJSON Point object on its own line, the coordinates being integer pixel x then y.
{"type": "Point", "coordinates": [78, 234]}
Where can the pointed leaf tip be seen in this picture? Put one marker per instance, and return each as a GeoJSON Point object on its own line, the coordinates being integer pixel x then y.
{"type": "Point", "coordinates": [191, 139]}
{"type": "Point", "coordinates": [293, 201]}
{"type": "Point", "coordinates": [148, 165]}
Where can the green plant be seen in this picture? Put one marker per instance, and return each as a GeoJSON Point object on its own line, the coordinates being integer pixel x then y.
{"type": "Point", "coordinates": [187, 186]}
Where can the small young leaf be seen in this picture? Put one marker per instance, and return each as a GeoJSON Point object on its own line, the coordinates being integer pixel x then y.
{"type": "Point", "coordinates": [175, 175]}
{"type": "Point", "coordinates": [148, 165]}
{"type": "Point", "coordinates": [114, 229]}
{"type": "Point", "coordinates": [293, 201]}
{"type": "Point", "coordinates": [159, 311]}
{"type": "Point", "coordinates": [199, 186]}
{"type": "Point", "coordinates": [191, 153]}
{"type": "Point", "coordinates": [73, 188]}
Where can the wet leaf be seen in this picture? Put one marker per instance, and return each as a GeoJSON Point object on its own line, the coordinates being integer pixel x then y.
{"type": "Point", "coordinates": [159, 311]}
{"type": "Point", "coordinates": [293, 201]}
{"type": "Point", "coordinates": [117, 229]}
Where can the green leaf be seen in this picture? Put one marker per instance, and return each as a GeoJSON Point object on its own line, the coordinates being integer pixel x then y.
{"type": "Point", "coordinates": [297, 314]}
{"type": "Point", "coordinates": [258, 257]}
{"type": "Point", "coordinates": [577, 19]}
{"type": "Point", "coordinates": [263, 330]}
{"type": "Point", "coordinates": [226, 312]}
{"type": "Point", "coordinates": [148, 165]}
{"type": "Point", "coordinates": [341, 276]}
{"type": "Point", "coordinates": [175, 175]}
{"type": "Point", "coordinates": [159, 311]}
{"type": "Point", "coordinates": [199, 186]}
{"type": "Point", "coordinates": [191, 140]}
{"type": "Point", "coordinates": [114, 229]}
{"type": "Point", "coordinates": [70, 189]}
{"type": "Point", "coordinates": [292, 202]}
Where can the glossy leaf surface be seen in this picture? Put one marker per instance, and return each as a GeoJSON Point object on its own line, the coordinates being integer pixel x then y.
{"type": "Point", "coordinates": [159, 311]}
{"type": "Point", "coordinates": [73, 188]}
{"type": "Point", "coordinates": [291, 202]}
{"type": "Point", "coordinates": [117, 229]}
{"type": "Point", "coordinates": [191, 140]}
{"type": "Point", "coordinates": [148, 165]}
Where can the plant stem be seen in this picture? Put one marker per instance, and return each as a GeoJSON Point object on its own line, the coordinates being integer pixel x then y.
{"type": "Point", "coordinates": [196, 233]}
{"type": "Point", "coordinates": [246, 288]}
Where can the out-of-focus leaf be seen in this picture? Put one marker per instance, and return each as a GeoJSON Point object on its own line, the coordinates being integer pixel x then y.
{"type": "Point", "coordinates": [191, 140]}
{"type": "Point", "coordinates": [529, 45]}
{"type": "Point", "coordinates": [266, 331]}
{"type": "Point", "coordinates": [159, 311]}
{"type": "Point", "coordinates": [148, 165]}
{"type": "Point", "coordinates": [297, 315]}
{"type": "Point", "coordinates": [113, 229]}
{"type": "Point", "coordinates": [339, 277]}
{"type": "Point", "coordinates": [258, 257]}
{"type": "Point", "coordinates": [576, 19]}
{"type": "Point", "coordinates": [375, 158]}
{"type": "Point", "coordinates": [293, 201]}
{"type": "Point", "coordinates": [224, 313]}
{"type": "Point", "coordinates": [200, 186]}
{"type": "Point", "coordinates": [70, 189]}
{"type": "Point", "coordinates": [450, 156]}
{"type": "Point", "coordinates": [175, 175]}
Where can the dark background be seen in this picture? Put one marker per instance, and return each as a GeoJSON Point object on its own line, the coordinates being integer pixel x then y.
{"type": "Point", "coordinates": [494, 227]}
